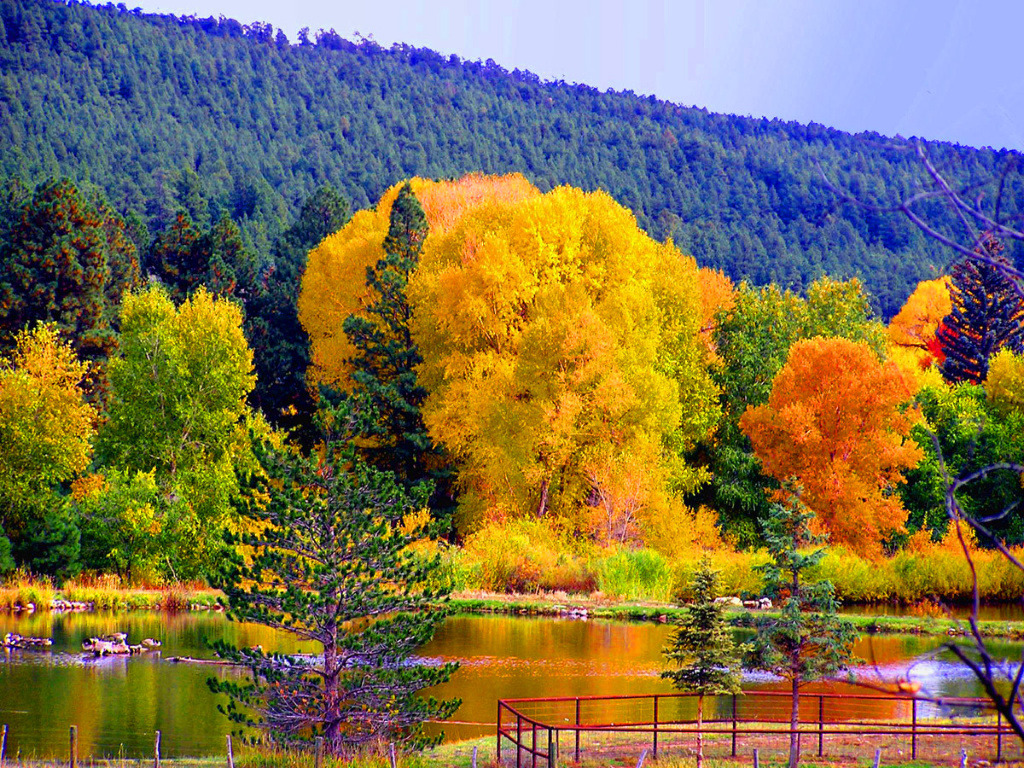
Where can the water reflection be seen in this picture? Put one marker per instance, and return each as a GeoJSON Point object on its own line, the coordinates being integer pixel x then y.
{"type": "Point", "coordinates": [121, 701]}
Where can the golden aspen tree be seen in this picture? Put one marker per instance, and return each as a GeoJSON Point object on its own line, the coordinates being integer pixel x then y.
{"type": "Point", "coordinates": [334, 283]}
{"type": "Point", "coordinates": [914, 327]}
{"type": "Point", "coordinates": [554, 332]}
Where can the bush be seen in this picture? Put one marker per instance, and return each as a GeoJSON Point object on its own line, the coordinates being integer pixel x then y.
{"type": "Point", "coordinates": [640, 574]}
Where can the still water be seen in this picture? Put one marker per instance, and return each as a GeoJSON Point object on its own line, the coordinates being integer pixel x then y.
{"type": "Point", "coordinates": [118, 703]}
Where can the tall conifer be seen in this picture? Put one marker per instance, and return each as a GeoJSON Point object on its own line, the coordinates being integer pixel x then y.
{"type": "Point", "coordinates": [987, 315]}
{"type": "Point", "coordinates": [703, 648]}
{"type": "Point", "coordinates": [807, 640]}
{"type": "Point", "coordinates": [386, 386]}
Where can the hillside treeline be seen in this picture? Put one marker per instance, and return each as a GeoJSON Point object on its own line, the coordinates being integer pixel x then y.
{"type": "Point", "coordinates": [219, 118]}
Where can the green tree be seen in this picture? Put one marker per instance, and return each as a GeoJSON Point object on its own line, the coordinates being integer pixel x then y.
{"type": "Point", "coordinates": [125, 521]}
{"type": "Point", "coordinates": [330, 564]}
{"type": "Point", "coordinates": [703, 649]}
{"type": "Point", "coordinates": [807, 640]}
{"type": "Point", "coordinates": [279, 342]}
{"type": "Point", "coordinates": [971, 433]}
{"type": "Point", "coordinates": [178, 408]}
{"type": "Point", "coordinates": [186, 258]}
{"type": "Point", "coordinates": [384, 381]}
{"type": "Point", "coordinates": [987, 316]}
{"type": "Point", "coordinates": [68, 260]}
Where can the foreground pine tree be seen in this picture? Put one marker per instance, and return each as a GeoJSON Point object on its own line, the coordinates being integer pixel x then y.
{"type": "Point", "coordinates": [327, 561]}
{"type": "Point", "coordinates": [808, 640]}
{"type": "Point", "coordinates": [702, 647]}
{"type": "Point", "coordinates": [987, 316]}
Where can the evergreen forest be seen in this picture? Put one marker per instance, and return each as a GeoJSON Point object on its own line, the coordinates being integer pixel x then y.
{"type": "Point", "coordinates": [218, 118]}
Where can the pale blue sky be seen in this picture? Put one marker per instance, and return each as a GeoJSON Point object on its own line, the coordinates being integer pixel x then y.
{"type": "Point", "coordinates": [940, 69]}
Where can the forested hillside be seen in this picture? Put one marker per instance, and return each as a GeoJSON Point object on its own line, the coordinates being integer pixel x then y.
{"type": "Point", "coordinates": [215, 117]}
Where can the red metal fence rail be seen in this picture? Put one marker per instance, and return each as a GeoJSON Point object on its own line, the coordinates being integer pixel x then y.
{"type": "Point", "coordinates": [534, 727]}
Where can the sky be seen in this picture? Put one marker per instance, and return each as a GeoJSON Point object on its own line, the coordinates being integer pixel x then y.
{"type": "Point", "coordinates": [939, 69]}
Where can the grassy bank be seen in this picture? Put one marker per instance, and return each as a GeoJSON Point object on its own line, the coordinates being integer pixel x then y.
{"type": "Point", "coordinates": [102, 594]}
{"type": "Point", "coordinates": [526, 556]}
{"type": "Point", "coordinates": [600, 607]}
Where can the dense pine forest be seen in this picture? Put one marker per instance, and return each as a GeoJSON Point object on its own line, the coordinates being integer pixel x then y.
{"type": "Point", "coordinates": [162, 113]}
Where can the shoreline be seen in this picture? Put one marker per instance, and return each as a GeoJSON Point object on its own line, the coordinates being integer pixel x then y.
{"type": "Point", "coordinates": [550, 605]}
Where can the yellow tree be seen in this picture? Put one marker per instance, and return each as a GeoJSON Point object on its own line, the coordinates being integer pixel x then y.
{"type": "Point", "coordinates": [838, 422]}
{"type": "Point", "coordinates": [915, 326]}
{"type": "Point", "coordinates": [46, 427]}
{"type": "Point", "coordinates": [334, 283]}
{"type": "Point", "coordinates": [46, 431]}
{"type": "Point", "coordinates": [558, 339]}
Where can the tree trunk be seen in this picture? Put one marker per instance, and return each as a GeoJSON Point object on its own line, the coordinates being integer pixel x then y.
{"type": "Point", "coordinates": [700, 730]}
{"type": "Point", "coordinates": [332, 697]}
{"type": "Point", "coordinates": [794, 721]}
{"type": "Point", "coordinates": [543, 508]}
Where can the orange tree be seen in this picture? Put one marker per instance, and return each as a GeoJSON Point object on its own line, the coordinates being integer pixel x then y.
{"type": "Point", "coordinates": [837, 422]}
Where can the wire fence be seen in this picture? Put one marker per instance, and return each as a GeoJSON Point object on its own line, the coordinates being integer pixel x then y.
{"type": "Point", "coordinates": [543, 731]}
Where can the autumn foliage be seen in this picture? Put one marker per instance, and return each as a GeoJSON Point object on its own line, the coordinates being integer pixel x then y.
{"type": "Point", "coordinates": [837, 422]}
{"type": "Point", "coordinates": [334, 283]}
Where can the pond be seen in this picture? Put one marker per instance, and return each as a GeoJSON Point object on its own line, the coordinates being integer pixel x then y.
{"type": "Point", "coordinates": [118, 703]}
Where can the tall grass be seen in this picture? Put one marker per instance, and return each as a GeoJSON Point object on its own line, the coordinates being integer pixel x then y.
{"type": "Point", "coordinates": [22, 591]}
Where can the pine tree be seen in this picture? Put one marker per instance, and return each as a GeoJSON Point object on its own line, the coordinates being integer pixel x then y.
{"type": "Point", "coordinates": [330, 564]}
{"type": "Point", "coordinates": [703, 648]}
{"type": "Point", "coordinates": [808, 640]}
{"type": "Point", "coordinates": [280, 344]}
{"type": "Point", "coordinates": [987, 315]}
{"type": "Point", "coordinates": [385, 381]}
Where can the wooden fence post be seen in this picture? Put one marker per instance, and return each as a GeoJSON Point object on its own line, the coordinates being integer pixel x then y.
{"type": "Point", "coordinates": [474, 758]}
{"type": "Point", "coordinates": [878, 757]}
{"type": "Point", "coordinates": [74, 746]}
{"type": "Point", "coordinates": [156, 751]}
{"type": "Point", "coordinates": [655, 726]}
{"type": "Point", "coordinates": [913, 731]}
{"type": "Point", "coordinates": [757, 759]}
{"type": "Point", "coordinates": [318, 759]}
{"type": "Point", "coordinates": [821, 725]}
{"type": "Point", "coordinates": [577, 729]}
{"type": "Point", "coordinates": [391, 755]}
{"type": "Point", "coordinates": [231, 756]}
{"type": "Point", "coordinates": [3, 745]}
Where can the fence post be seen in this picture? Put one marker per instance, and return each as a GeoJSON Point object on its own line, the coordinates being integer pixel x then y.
{"type": "Point", "coordinates": [821, 724]}
{"type": "Point", "coordinates": [497, 754]}
{"type": "Point", "coordinates": [474, 758]}
{"type": "Point", "coordinates": [3, 745]}
{"type": "Point", "coordinates": [156, 751]}
{"type": "Point", "coordinates": [391, 755]}
{"type": "Point", "coordinates": [533, 751]}
{"type": "Point", "coordinates": [734, 725]}
{"type": "Point", "coordinates": [519, 740]}
{"type": "Point", "coordinates": [878, 757]}
{"type": "Point", "coordinates": [74, 746]}
{"type": "Point", "coordinates": [999, 738]}
{"type": "Point", "coordinates": [318, 754]}
{"type": "Point", "coordinates": [655, 726]}
{"type": "Point", "coordinates": [757, 760]}
{"type": "Point", "coordinates": [913, 730]}
{"type": "Point", "coordinates": [231, 755]}
{"type": "Point", "coordinates": [552, 748]}
{"type": "Point", "coordinates": [577, 729]}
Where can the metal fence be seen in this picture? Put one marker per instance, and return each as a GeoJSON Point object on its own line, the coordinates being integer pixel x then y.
{"type": "Point", "coordinates": [834, 725]}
